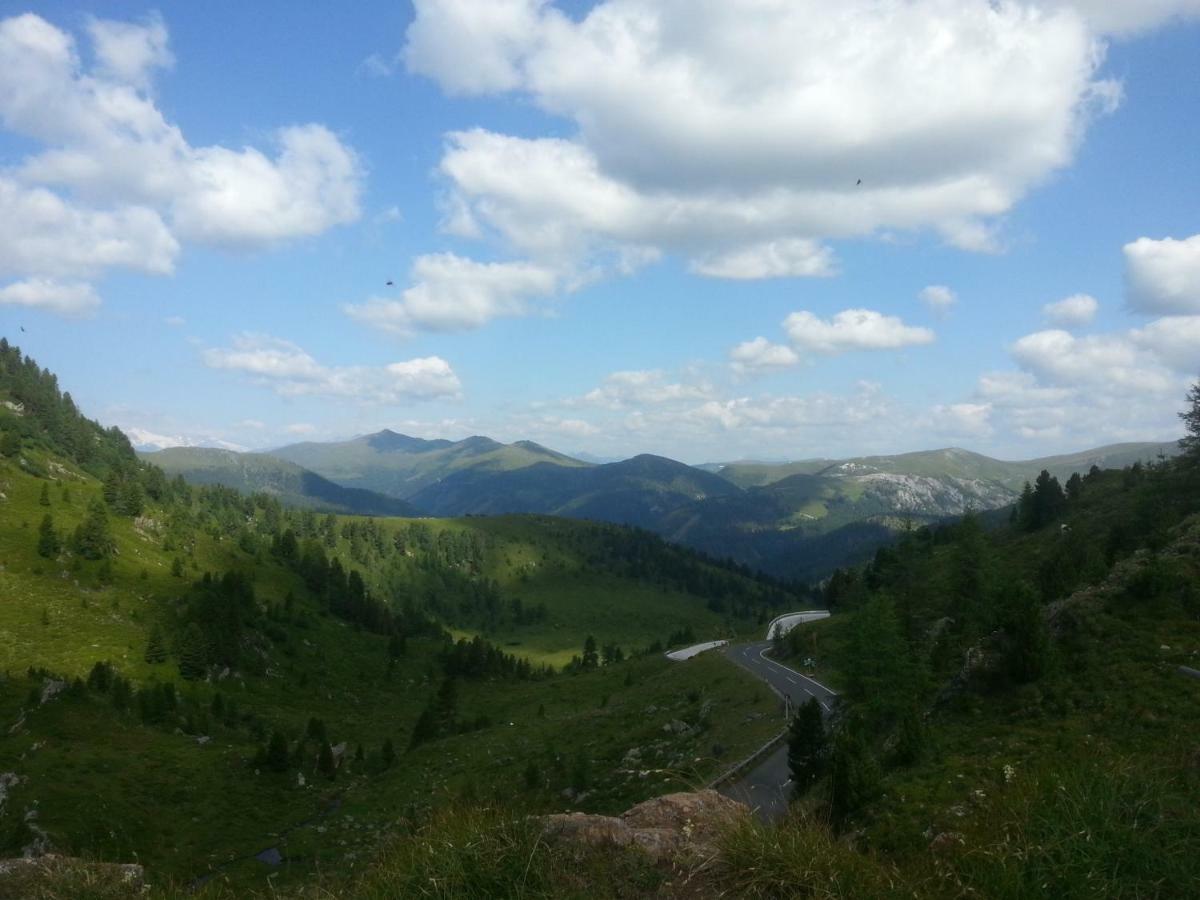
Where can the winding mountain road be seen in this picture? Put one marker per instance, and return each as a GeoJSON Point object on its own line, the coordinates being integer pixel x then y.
{"type": "Point", "coordinates": [765, 787]}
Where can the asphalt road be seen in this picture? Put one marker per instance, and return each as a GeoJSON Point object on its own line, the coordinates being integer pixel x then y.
{"type": "Point", "coordinates": [766, 786]}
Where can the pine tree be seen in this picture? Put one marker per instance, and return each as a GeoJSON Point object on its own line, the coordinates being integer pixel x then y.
{"type": "Point", "coordinates": [1029, 647]}
{"type": "Point", "coordinates": [277, 753]}
{"type": "Point", "coordinates": [1191, 422]}
{"type": "Point", "coordinates": [806, 747]}
{"type": "Point", "coordinates": [193, 653]}
{"type": "Point", "coordinates": [590, 657]}
{"type": "Point", "coordinates": [48, 544]}
{"type": "Point", "coordinates": [156, 647]}
{"type": "Point", "coordinates": [93, 539]}
{"type": "Point", "coordinates": [44, 498]}
{"type": "Point", "coordinates": [854, 774]}
{"type": "Point", "coordinates": [325, 763]}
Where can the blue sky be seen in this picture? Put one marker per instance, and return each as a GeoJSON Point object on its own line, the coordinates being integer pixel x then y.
{"type": "Point", "coordinates": [615, 227]}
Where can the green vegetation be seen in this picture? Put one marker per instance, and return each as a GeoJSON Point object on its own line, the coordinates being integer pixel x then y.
{"type": "Point", "coordinates": [171, 652]}
{"type": "Point", "coordinates": [192, 677]}
{"type": "Point", "coordinates": [292, 485]}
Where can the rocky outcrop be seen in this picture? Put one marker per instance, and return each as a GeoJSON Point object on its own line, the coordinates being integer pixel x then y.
{"type": "Point", "coordinates": [67, 875]}
{"type": "Point", "coordinates": [683, 824]}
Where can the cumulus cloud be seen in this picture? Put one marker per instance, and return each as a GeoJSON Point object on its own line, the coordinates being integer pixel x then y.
{"type": "Point", "coordinates": [1078, 309]}
{"type": "Point", "coordinates": [1163, 276]}
{"type": "Point", "coordinates": [1057, 356]}
{"type": "Point", "coordinates": [760, 354]}
{"type": "Point", "coordinates": [970, 420]}
{"type": "Point", "coordinates": [292, 372]}
{"type": "Point", "coordinates": [852, 329]}
{"type": "Point", "coordinates": [127, 52]}
{"type": "Point", "coordinates": [773, 259]}
{"type": "Point", "coordinates": [452, 293]}
{"type": "Point", "coordinates": [69, 298]}
{"type": "Point", "coordinates": [112, 183]}
{"type": "Point", "coordinates": [948, 113]}
{"type": "Point", "coordinates": [1123, 17]}
{"type": "Point", "coordinates": [1120, 386]}
{"type": "Point", "coordinates": [939, 298]}
{"type": "Point", "coordinates": [638, 388]}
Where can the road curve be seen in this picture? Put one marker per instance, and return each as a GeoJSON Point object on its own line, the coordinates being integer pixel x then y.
{"type": "Point", "coordinates": [766, 786]}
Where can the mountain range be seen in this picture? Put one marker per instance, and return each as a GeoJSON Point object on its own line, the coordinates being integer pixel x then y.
{"type": "Point", "coordinates": [796, 519]}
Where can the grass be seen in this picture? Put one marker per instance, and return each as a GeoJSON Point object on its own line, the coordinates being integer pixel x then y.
{"type": "Point", "coordinates": [106, 786]}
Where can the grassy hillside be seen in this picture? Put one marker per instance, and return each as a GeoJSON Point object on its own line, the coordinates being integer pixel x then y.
{"type": "Point", "coordinates": [92, 771]}
{"type": "Point", "coordinates": [293, 485]}
{"type": "Point", "coordinates": [950, 462]}
{"type": "Point", "coordinates": [400, 466]}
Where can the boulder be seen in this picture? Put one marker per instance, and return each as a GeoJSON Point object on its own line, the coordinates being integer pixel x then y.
{"type": "Point", "coordinates": [682, 824]}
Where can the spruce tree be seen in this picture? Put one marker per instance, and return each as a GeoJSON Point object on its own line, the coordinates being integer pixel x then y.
{"type": "Point", "coordinates": [325, 764]}
{"type": "Point", "coordinates": [44, 499]}
{"type": "Point", "coordinates": [93, 539]}
{"type": "Point", "coordinates": [854, 774]}
{"type": "Point", "coordinates": [48, 544]}
{"type": "Point", "coordinates": [156, 647]}
{"type": "Point", "coordinates": [590, 657]}
{"type": "Point", "coordinates": [806, 747]}
{"type": "Point", "coordinates": [1191, 422]}
{"type": "Point", "coordinates": [277, 752]}
{"type": "Point", "coordinates": [193, 653]}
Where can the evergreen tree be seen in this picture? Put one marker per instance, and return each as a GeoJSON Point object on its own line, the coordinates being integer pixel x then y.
{"type": "Point", "coordinates": [277, 752]}
{"type": "Point", "coordinates": [325, 763]}
{"type": "Point", "coordinates": [590, 657]}
{"type": "Point", "coordinates": [156, 647]}
{"type": "Point", "coordinates": [48, 544]}
{"type": "Point", "coordinates": [1074, 487]}
{"type": "Point", "coordinates": [1190, 444]}
{"type": "Point", "coordinates": [806, 747]}
{"type": "Point", "coordinates": [1028, 640]}
{"type": "Point", "coordinates": [854, 774]}
{"type": "Point", "coordinates": [1026, 515]}
{"type": "Point", "coordinates": [389, 754]}
{"type": "Point", "coordinates": [93, 539]}
{"type": "Point", "coordinates": [193, 653]}
{"type": "Point", "coordinates": [44, 498]}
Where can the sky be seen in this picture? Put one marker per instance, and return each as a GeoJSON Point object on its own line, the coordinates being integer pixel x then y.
{"type": "Point", "coordinates": [707, 229]}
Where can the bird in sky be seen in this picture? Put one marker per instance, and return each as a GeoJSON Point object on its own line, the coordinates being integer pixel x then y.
{"type": "Point", "coordinates": [389, 284]}
{"type": "Point", "coordinates": [860, 181]}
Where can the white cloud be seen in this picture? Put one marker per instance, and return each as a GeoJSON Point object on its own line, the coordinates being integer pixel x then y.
{"type": "Point", "coordinates": [1078, 309]}
{"type": "Point", "coordinates": [69, 299]}
{"type": "Point", "coordinates": [1174, 341]}
{"type": "Point", "coordinates": [794, 101]}
{"type": "Point", "coordinates": [939, 298]}
{"type": "Point", "coordinates": [852, 329]}
{"type": "Point", "coordinates": [291, 372]}
{"type": "Point", "coordinates": [1058, 357]}
{"type": "Point", "coordinates": [43, 235]}
{"type": "Point", "coordinates": [647, 387]}
{"type": "Point", "coordinates": [1128, 16]}
{"type": "Point", "coordinates": [791, 258]}
{"type": "Point", "coordinates": [175, 321]}
{"type": "Point", "coordinates": [129, 53]}
{"type": "Point", "coordinates": [760, 354]}
{"type": "Point", "coordinates": [112, 183]}
{"type": "Point", "coordinates": [1163, 276]}
{"type": "Point", "coordinates": [301, 428]}
{"type": "Point", "coordinates": [452, 293]}
{"type": "Point", "coordinates": [972, 420]}
{"type": "Point", "coordinates": [472, 47]}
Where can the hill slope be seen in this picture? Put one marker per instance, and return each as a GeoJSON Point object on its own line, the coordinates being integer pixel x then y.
{"type": "Point", "coordinates": [293, 485]}
{"type": "Point", "coordinates": [400, 466]}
